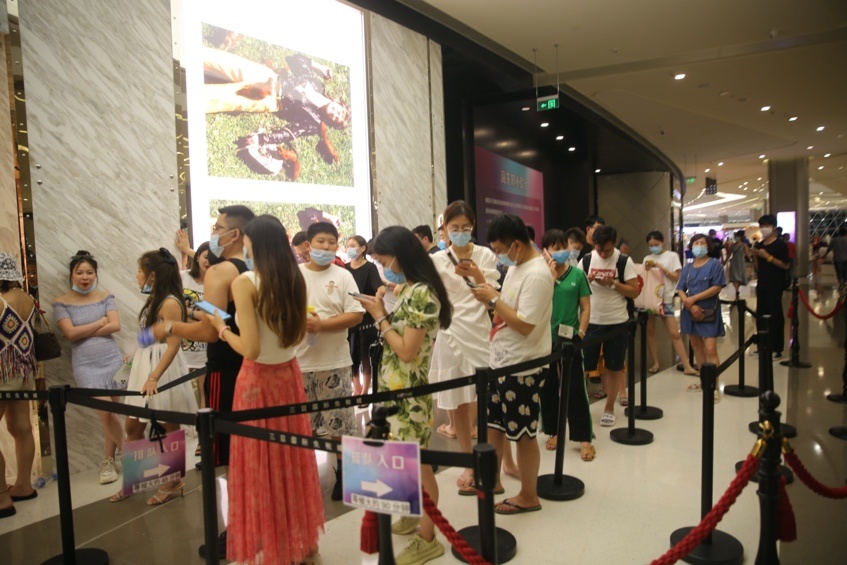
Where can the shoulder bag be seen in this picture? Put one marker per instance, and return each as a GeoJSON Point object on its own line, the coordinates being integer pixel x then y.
{"type": "Point", "coordinates": [46, 344]}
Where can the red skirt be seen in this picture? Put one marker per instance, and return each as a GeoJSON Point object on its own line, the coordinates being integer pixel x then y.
{"type": "Point", "coordinates": [275, 505]}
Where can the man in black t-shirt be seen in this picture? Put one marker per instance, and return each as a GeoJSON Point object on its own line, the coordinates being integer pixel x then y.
{"type": "Point", "coordinates": [771, 256]}
{"type": "Point", "coordinates": [424, 235]}
{"type": "Point", "coordinates": [716, 248]}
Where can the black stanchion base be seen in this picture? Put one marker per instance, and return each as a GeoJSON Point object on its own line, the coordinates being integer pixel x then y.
{"type": "Point", "coordinates": [840, 398]}
{"type": "Point", "coordinates": [839, 431]}
{"type": "Point", "coordinates": [788, 430]}
{"type": "Point", "coordinates": [570, 489]}
{"type": "Point", "coordinates": [637, 437]}
{"type": "Point", "coordinates": [87, 556]}
{"type": "Point", "coordinates": [646, 413]}
{"type": "Point", "coordinates": [724, 549]}
{"type": "Point", "coordinates": [507, 545]}
{"type": "Point", "coordinates": [783, 470]}
{"type": "Point", "coordinates": [796, 365]}
{"type": "Point", "coordinates": [746, 392]}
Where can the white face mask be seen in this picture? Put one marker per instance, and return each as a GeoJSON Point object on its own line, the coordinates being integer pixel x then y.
{"type": "Point", "coordinates": [766, 232]}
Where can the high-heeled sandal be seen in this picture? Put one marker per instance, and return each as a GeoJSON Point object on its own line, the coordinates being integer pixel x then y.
{"type": "Point", "coordinates": [179, 490]}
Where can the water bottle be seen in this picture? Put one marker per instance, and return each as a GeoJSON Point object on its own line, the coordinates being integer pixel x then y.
{"type": "Point", "coordinates": [311, 338]}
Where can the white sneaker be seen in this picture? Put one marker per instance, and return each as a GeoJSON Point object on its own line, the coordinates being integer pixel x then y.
{"type": "Point", "coordinates": [108, 473]}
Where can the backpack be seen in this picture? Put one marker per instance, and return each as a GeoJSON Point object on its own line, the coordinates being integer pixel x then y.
{"type": "Point", "coordinates": [621, 268]}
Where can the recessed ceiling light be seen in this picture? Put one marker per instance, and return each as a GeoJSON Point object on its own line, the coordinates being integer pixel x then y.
{"type": "Point", "coordinates": [761, 156]}
{"type": "Point", "coordinates": [679, 76]}
{"type": "Point", "coordinates": [720, 164]}
{"type": "Point", "coordinates": [560, 137]}
{"type": "Point", "coordinates": [826, 155]}
{"type": "Point", "coordinates": [525, 109]}
{"type": "Point", "coordinates": [571, 149]}
{"type": "Point", "coordinates": [725, 93]}
{"type": "Point", "coordinates": [820, 168]}
{"type": "Point", "coordinates": [707, 170]}
{"type": "Point", "coordinates": [745, 188]}
{"type": "Point", "coordinates": [820, 128]}
{"type": "Point", "coordinates": [746, 182]}
{"type": "Point", "coordinates": [760, 178]}
{"type": "Point", "coordinates": [792, 119]}
{"type": "Point", "coordinates": [765, 108]}
{"type": "Point", "coordinates": [596, 170]}
{"type": "Point", "coordinates": [810, 147]}
{"type": "Point", "coordinates": [545, 124]}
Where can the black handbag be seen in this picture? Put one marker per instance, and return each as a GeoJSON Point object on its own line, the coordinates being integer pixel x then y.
{"type": "Point", "coordinates": [46, 344]}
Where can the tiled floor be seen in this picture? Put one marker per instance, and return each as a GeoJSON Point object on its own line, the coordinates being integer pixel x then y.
{"type": "Point", "coordinates": [634, 498]}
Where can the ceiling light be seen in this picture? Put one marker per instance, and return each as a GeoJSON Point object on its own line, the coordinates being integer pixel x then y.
{"type": "Point", "coordinates": [826, 155]}
{"type": "Point", "coordinates": [560, 137]}
{"type": "Point", "coordinates": [720, 164]}
{"type": "Point", "coordinates": [820, 128]}
{"type": "Point", "coordinates": [765, 108]}
{"type": "Point", "coordinates": [725, 93]}
{"type": "Point", "coordinates": [745, 188]}
{"type": "Point", "coordinates": [525, 109]}
{"type": "Point", "coordinates": [746, 182]}
{"type": "Point", "coordinates": [761, 156]}
{"type": "Point", "coordinates": [545, 124]}
{"type": "Point", "coordinates": [810, 147]}
{"type": "Point", "coordinates": [760, 178]}
{"type": "Point", "coordinates": [679, 76]}
{"type": "Point", "coordinates": [571, 149]}
{"type": "Point", "coordinates": [707, 170]}
{"type": "Point", "coordinates": [792, 119]}
{"type": "Point", "coordinates": [596, 170]}
{"type": "Point", "coordinates": [820, 168]}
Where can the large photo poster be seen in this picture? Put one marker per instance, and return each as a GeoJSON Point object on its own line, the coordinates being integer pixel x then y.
{"type": "Point", "coordinates": [277, 116]}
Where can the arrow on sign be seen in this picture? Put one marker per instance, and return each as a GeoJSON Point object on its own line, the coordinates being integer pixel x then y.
{"type": "Point", "coordinates": [379, 487]}
{"type": "Point", "coordinates": [156, 471]}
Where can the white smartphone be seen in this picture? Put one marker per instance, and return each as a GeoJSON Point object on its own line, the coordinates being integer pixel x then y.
{"type": "Point", "coordinates": [210, 308]}
{"type": "Point", "coordinates": [361, 296]}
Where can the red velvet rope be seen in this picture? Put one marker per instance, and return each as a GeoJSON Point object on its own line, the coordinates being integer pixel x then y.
{"type": "Point", "coordinates": [696, 536]}
{"type": "Point", "coordinates": [807, 479]}
{"type": "Point", "coordinates": [456, 540]}
{"type": "Point", "coordinates": [815, 314]}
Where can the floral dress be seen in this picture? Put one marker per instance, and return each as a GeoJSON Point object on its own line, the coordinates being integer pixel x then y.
{"type": "Point", "coordinates": [417, 307]}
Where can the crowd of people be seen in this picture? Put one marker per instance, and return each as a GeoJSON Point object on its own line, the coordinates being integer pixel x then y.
{"type": "Point", "coordinates": [299, 317]}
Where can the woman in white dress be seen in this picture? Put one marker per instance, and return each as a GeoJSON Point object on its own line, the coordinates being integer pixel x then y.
{"type": "Point", "coordinates": [462, 347]}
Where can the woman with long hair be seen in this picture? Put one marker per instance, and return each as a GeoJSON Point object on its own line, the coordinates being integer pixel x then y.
{"type": "Point", "coordinates": [275, 503]}
{"type": "Point", "coordinates": [699, 285]}
{"type": "Point", "coordinates": [423, 306]}
{"type": "Point", "coordinates": [362, 336]}
{"type": "Point", "coordinates": [88, 317]}
{"type": "Point", "coordinates": [462, 347]}
{"type": "Point", "coordinates": [160, 363]}
{"type": "Point", "coordinates": [18, 369]}
{"type": "Point", "coordinates": [193, 280]}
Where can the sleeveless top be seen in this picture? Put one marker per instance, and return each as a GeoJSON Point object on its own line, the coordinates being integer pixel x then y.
{"type": "Point", "coordinates": [219, 353]}
{"type": "Point", "coordinates": [17, 350]}
{"type": "Point", "coordinates": [270, 351]}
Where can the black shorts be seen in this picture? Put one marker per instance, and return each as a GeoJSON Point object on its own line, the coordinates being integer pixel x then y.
{"type": "Point", "coordinates": [614, 348]}
{"type": "Point", "coordinates": [360, 341]}
{"type": "Point", "coordinates": [514, 404]}
{"type": "Point", "coordinates": [220, 392]}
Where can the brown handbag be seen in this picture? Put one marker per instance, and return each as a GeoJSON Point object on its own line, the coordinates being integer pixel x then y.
{"type": "Point", "coordinates": [46, 344]}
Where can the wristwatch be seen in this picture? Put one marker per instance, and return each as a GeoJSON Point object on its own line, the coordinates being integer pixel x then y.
{"type": "Point", "coordinates": [493, 302]}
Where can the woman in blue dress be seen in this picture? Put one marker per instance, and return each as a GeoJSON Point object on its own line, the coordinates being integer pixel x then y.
{"type": "Point", "coordinates": [699, 285]}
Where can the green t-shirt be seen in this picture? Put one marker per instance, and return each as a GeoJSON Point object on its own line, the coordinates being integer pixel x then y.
{"type": "Point", "coordinates": [567, 291]}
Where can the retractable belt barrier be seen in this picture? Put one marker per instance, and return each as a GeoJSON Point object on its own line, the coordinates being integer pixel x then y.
{"type": "Point", "coordinates": [24, 395]}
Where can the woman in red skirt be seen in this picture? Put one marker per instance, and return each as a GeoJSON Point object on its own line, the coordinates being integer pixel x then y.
{"type": "Point", "coordinates": [275, 506]}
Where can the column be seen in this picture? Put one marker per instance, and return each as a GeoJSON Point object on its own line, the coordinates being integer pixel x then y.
{"type": "Point", "coordinates": [789, 192]}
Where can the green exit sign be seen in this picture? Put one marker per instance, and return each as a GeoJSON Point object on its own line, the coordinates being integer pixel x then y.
{"type": "Point", "coordinates": [547, 103]}
{"type": "Point", "coordinates": [690, 180]}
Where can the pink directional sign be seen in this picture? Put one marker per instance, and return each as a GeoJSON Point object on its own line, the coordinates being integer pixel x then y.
{"type": "Point", "coordinates": [382, 476]}
{"type": "Point", "coordinates": [146, 466]}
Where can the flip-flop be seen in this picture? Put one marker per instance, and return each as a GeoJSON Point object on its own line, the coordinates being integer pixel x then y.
{"type": "Point", "coordinates": [442, 429]}
{"type": "Point", "coordinates": [517, 509]}
{"type": "Point", "coordinates": [623, 401]}
{"type": "Point", "coordinates": [29, 496]}
{"type": "Point", "coordinates": [694, 387]}
{"type": "Point", "coordinates": [653, 370]}
{"type": "Point", "coordinates": [470, 490]}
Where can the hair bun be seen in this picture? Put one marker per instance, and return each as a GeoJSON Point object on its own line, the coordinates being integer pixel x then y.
{"type": "Point", "coordinates": [167, 256]}
{"type": "Point", "coordinates": [82, 254]}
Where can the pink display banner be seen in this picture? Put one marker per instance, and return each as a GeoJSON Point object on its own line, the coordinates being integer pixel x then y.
{"type": "Point", "coordinates": [506, 187]}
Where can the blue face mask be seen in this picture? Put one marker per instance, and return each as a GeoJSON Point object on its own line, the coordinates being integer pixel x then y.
{"type": "Point", "coordinates": [507, 261]}
{"type": "Point", "coordinates": [215, 247]}
{"type": "Point", "coordinates": [459, 239]}
{"type": "Point", "coordinates": [75, 288]}
{"type": "Point", "coordinates": [655, 249]}
{"type": "Point", "coordinates": [322, 257]}
{"type": "Point", "coordinates": [699, 251]}
{"type": "Point", "coordinates": [574, 254]}
{"type": "Point", "coordinates": [391, 276]}
{"type": "Point", "coordinates": [442, 244]}
{"type": "Point", "coordinates": [352, 253]}
{"type": "Point", "coordinates": [248, 260]}
{"type": "Point", "coordinates": [147, 289]}
{"type": "Point", "coordinates": [561, 257]}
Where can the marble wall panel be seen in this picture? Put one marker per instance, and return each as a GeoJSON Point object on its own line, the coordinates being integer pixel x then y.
{"type": "Point", "coordinates": [439, 159]}
{"type": "Point", "coordinates": [101, 120]}
{"type": "Point", "coordinates": [10, 238]}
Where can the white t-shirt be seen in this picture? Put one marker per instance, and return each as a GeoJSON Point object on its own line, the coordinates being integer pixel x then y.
{"type": "Point", "coordinates": [328, 294]}
{"type": "Point", "coordinates": [670, 261]}
{"type": "Point", "coordinates": [528, 288]}
{"type": "Point", "coordinates": [608, 306]}
{"type": "Point", "coordinates": [192, 293]}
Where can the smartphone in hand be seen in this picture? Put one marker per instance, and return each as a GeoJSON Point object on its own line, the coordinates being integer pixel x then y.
{"type": "Point", "coordinates": [210, 309]}
{"type": "Point", "coordinates": [360, 296]}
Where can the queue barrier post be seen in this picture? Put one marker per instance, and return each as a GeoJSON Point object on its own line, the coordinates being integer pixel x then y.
{"type": "Point", "coordinates": [742, 389]}
{"type": "Point", "coordinates": [485, 467]}
{"type": "Point", "coordinates": [718, 547]}
{"type": "Point", "coordinates": [841, 397]}
{"type": "Point", "coordinates": [766, 378]}
{"type": "Point", "coordinates": [631, 435]}
{"type": "Point", "coordinates": [559, 486]}
{"type": "Point", "coordinates": [379, 428]}
{"type": "Point", "coordinates": [768, 477]}
{"type": "Point", "coordinates": [794, 356]}
{"type": "Point", "coordinates": [505, 542]}
{"type": "Point", "coordinates": [206, 435]}
{"type": "Point", "coordinates": [642, 411]}
{"type": "Point", "coordinates": [70, 555]}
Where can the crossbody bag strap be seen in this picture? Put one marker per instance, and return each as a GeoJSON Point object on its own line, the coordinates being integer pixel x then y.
{"type": "Point", "coordinates": [456, 264]}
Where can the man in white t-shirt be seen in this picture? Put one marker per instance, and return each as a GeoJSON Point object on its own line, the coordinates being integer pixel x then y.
{"type": "Point", "coordinates": [609, 294]}
{"type": "Point", "coordinates": [324, 355]}
{"type": "Point", "coordinates": [520, 332]}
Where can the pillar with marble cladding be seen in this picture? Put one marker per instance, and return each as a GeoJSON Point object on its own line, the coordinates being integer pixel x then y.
{"type": "Point", "coordinates": [100, 105]}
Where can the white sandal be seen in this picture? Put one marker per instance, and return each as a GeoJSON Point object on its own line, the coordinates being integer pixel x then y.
{"type": "Point", "coordinates": [607, 419]}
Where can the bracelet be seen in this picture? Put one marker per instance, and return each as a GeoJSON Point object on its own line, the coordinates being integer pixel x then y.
{"type": "Point", "coordinates": [770, 258]}
{"type": "Point", "coordinates": [152, 379]}
{"type": "Point", "coordinates": [380, 320]}
{"type": "Point", "coordinates": [581, 332]}
{"type": "Point", "coordinates": [221, 333]}
{"type": "Point", "coordinates": [389, 329]}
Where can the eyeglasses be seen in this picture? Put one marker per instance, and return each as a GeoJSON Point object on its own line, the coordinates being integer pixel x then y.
{"type": "Point", "coordinates": [217, 228]}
